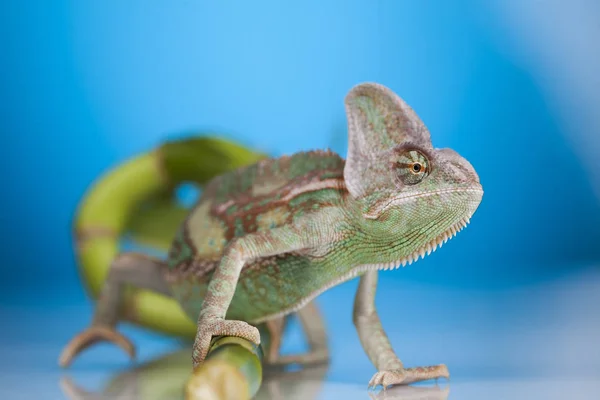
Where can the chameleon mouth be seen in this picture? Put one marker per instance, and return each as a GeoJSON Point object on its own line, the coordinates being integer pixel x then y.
{"type": "Point", "coordinates": [427, 249]}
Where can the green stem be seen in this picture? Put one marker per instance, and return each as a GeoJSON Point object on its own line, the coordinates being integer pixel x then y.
{"type": "Point", "coordinates": [231, 370]}
{"type": "Point", "coordinates": [138, 198]}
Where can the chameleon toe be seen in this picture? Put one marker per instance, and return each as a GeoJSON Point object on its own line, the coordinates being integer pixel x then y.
{"type": "Point", "coordinates": [209, 327]}
{"type": "Point", "coordinates": [71, 390]}
{"type": "Point", "coordinates": [406, 376]}
{"type": "Point", "coordinates": [91, 336]}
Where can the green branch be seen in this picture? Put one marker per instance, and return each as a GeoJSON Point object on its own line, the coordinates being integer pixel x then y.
{"type": "Point", "coordinates": [232, 370]}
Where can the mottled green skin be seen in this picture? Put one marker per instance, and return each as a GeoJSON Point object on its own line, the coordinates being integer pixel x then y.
{"type": "Point", "coordinates": [270, 284]}
{"type": "Point", "coordinates": [374, 209]}
{"type": "Point", "coordinates": [266, 239]}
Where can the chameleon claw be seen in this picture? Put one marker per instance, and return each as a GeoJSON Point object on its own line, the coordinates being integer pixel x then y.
{"type": "Point", "coordinates": [411, 392]}
{"type": "Point", "coordinates": [407, 376]}
{"type": "Point", "coordinates": [91, 336]}
{"type": "Point", "coordinates": [387, 378]}
{"type": "Point", "coordinates": [71, 390]}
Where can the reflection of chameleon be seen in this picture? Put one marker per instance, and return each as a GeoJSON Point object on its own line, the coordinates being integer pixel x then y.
{"type": "Point", "coordinates": [266, 239]}
{"type": "Point", "coordinates": [164, 377]}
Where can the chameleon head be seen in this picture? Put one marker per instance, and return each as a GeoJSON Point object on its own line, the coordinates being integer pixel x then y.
{"type": "Point", "coordinates": [410, 194]}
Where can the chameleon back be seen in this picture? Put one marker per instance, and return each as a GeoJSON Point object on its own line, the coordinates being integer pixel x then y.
{"type": "Point", "coordinates": [263, 196]}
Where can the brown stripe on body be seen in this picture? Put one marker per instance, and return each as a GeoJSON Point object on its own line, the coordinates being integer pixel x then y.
{"type": "Point", "coordinates": [255, 198]}
{"type": "Point", "coordinates": [293, 189]}
{"type": "Point", "coordinates": [196, 268]}
{"type": "Point", "coordinates": [331, 183]}
{"type": "Point", "coordinates": [249, 208]}
{"type": "Point", "coordinates": [199, 269]}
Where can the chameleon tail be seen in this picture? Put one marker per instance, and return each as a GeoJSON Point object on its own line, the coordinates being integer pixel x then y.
{"type": "Point", "coordinates": [137, 199]}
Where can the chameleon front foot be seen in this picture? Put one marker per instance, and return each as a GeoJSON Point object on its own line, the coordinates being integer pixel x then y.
{"type": "Point", "coordinates": [407, 376]}
{"type": "Point", "coordinates": [208, 327]}
{"type": "Point", "coordinates": [93, 335]}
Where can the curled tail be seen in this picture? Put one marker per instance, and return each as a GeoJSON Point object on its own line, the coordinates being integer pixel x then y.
{"type": "Point", "coordinates": [137, 200]}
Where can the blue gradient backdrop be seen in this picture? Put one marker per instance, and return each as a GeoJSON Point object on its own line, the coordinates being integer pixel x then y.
{"type": "Point", "coordinates": [86, 84]}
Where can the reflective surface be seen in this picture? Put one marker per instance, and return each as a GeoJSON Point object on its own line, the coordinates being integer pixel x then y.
{"type": "Point", "coordinates": [147, 382]}
{"type": "Point", "coordinates": [519, 342]}
{"type": "Point", "coordinates": [162, 379]}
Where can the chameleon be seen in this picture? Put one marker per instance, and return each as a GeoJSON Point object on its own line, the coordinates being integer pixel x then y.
{"type": "Point", "coordinates": [264, 240]}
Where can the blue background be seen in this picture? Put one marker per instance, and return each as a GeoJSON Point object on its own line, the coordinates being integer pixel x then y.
{"type": "Point", "coordinates": [510, 85]}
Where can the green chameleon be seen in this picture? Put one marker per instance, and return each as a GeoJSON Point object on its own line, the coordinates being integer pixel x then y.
{"type": "Point", "coordinates": [264, 240]}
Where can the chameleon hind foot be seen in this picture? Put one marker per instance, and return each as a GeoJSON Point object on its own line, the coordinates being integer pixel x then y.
{"type": "Point", "coordinates": [405, 376]}
{"type": "Point", "coordinates": [93, 335]}
{"type": "Point", "coordinates": [316, 336]}
{"type": "Point", "coordinates": [313, 357]}
{"type": "Point", "coordinates": [317, 354]}
{"type": "Point", "coordinates": [133, 269]}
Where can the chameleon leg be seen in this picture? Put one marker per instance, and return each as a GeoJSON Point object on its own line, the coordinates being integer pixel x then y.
{"type": "Point", "coordinates": [211, 319]}
{"type": "Point", "coordinates": [275, 327]}
{"type": "Point", "coordinates": [377, 345]}
{"type": "Point", "coordinates": [133, 269]}
{"type": "Point", "coordinates": [316, 335]}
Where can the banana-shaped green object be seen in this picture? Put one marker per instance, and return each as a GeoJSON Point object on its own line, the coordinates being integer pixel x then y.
{"type": "Point", "coordinates": [137, 199]}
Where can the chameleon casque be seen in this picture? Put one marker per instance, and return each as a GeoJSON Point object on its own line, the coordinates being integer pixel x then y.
{"type": "Point", "coordinates": [264, 240]}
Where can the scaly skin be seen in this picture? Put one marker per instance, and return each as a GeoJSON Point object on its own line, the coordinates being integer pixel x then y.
{"type": "Point", "coordinates": [266, 239]}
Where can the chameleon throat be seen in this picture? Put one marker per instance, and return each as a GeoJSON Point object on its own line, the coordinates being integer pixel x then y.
{"type": "Point", "coordinates": [427, 249]}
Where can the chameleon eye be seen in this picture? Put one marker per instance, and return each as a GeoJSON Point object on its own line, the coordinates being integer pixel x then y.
{"type": "Point", "coordinates": [411, 167]}
{"type": "Point", "coordinates": [416, 168]}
